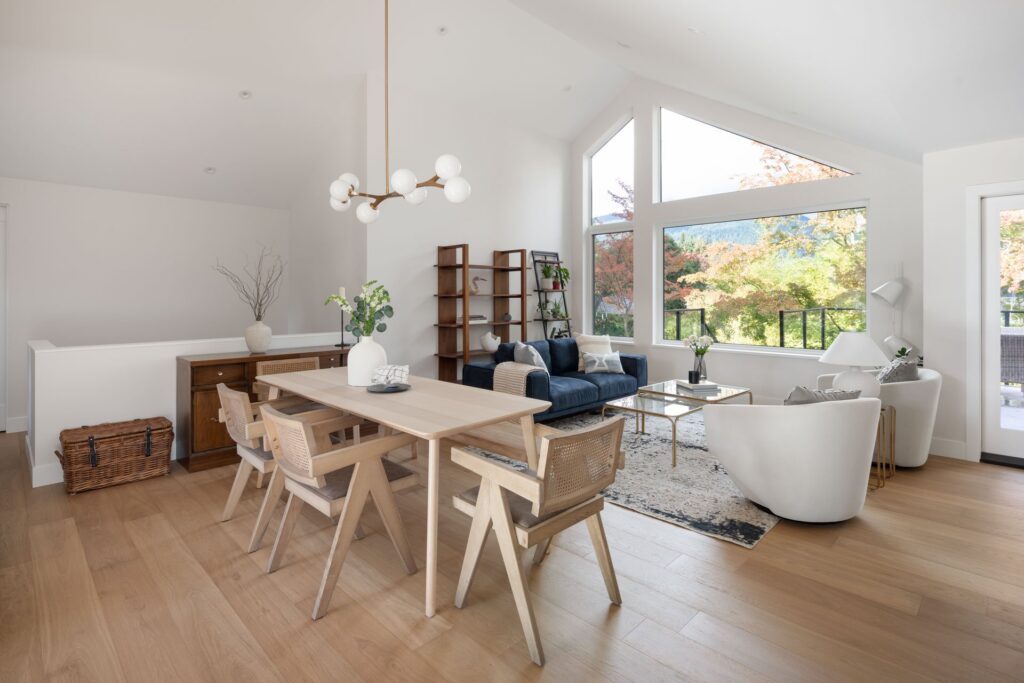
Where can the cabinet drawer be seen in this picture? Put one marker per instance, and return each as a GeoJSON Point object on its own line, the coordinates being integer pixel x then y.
{"type": "Point", "coordinates": [330, 361]}
{"type": "Point", "coordinates": [208, 432]}
{"type": "Point", "coordinates": [215, 374]}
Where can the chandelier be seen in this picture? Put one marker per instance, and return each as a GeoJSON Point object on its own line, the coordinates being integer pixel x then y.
{"type": "Point", "coordinates": [403, 182]}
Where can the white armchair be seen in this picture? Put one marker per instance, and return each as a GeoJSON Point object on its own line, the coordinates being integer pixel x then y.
{"type": "Point", "coordinates": [916, 404]}
{"type": "Point", "coordinates": [809, 463]}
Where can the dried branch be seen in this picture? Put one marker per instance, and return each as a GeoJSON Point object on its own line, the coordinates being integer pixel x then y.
{"type": "Point", "coordinates": [262, 283]}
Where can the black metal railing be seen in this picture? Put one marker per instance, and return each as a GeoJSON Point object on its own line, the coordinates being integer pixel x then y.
{"type": "Point", "coordinates": [673, 322]}
{"type": "Point", "coordinates": [677, 314]}
{"type": "Point", "coordinates": [1010, 315]}
{"type": "Point", "coordinates": [822, 312]}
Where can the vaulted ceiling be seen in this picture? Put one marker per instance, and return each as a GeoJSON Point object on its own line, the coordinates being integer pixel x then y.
{"type": "Point", "coordinates": [144, 96]}
{"type": "Point", "coordinates": [901, 76]}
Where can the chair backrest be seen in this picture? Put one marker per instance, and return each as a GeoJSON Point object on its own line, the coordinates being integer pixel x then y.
{"type": "Point", "coordinates": [265, 392]}
{"type": "Point", "coordinates": [237, 414]}
{"type": "Point", "coordinates": [578, 465]}
{"type": "Point", "coordinates": [291, 441]}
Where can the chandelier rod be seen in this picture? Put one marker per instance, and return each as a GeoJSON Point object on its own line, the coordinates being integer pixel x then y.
{"type": "Point", "coordinates": [387, 106]}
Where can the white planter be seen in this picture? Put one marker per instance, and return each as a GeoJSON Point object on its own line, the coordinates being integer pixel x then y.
{"type": "Point", "coordinates": [489, 341]}
{"type": "Point", "coordinates": [257, 337]}
{"type": "Point", "coordinates": [547, 283]}
{"type": "Point", "coordinates": [363, 359]}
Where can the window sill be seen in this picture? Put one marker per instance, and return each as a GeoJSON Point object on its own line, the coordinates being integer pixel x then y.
{"type": "Point", "coordinates": [745, 350]}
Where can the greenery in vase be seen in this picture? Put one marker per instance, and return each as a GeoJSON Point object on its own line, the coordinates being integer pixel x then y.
{"type": "Point", "coordinates": [699, 345]}
{"type": "Point", "coordinates": [367, 310]}
{"type": "Point", "coordinates": [547, 270]}
{"type": "Point", "coordinates": [904, 352]}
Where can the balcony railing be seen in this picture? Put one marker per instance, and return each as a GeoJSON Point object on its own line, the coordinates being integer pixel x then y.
{"type": "Point", "coordinates": [822, 311]}
{"type": "Point", "coordinates": [694, 320]}
{"type": "Point", "coordinates": [1012, 318]}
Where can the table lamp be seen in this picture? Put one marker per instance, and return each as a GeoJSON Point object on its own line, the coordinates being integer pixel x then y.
{"type": "Point", "coordinates": [856, 350]}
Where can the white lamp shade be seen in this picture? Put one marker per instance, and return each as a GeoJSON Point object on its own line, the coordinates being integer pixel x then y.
{"type": "Point", "coordinates": [366, 213]}
{"type": "Point", "coordinates": [889, 291]}
{"type": "Point", "coordinates": [447, 166]}
{"type": "Point", "coordinates": [457, 190]}
{"type": "Point", "coordinates": [403, 181]}
{"type": "Point", "coordinates": [854, 350]}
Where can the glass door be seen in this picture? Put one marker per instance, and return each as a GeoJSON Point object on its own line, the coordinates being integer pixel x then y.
{"type": "Point", "coordinates": [1002, 434]}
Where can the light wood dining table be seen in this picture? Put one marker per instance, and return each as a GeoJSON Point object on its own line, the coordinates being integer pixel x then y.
{"type": "Point", "coordinates": [431, 410]}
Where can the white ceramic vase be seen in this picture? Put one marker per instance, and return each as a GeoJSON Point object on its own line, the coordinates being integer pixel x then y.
{"type": "Point", "coordinates": [363, 359]}
{"type": "Point", "coordinates": [258, 336]}
{"type": "Point", "coordinates": [489, 341]}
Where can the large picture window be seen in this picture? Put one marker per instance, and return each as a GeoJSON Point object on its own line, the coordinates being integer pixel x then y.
{"type": "Point", "coordinates": [791, 281]}
{"type": "Point", "coordinates": [612, 311]}
{"type": "Point", "coordinates": [698, 159]}
{"type": "Point", "coordinates": [611, 179]}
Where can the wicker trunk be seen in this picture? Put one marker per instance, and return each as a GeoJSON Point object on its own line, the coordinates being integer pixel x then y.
{"type": "Point", "coordinates": [115, 453]}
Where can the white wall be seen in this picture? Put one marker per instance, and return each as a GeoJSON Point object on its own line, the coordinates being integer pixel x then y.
{"type": "Point", "coordinates": [83, 385]}
{"type": "Point", "coordinates": [91, 266]}
{"type": "Point", "coordinates": [952, 300]}
{"type": "Point", "coordinates": [328, 249]}
{"type": "Point", "coordinates": [889, 187]}
{"type": "Point", "coordinates": [519, 201]}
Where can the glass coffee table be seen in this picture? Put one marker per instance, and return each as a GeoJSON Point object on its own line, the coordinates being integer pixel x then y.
{"type": "Point", "coordinates": [669, 400]}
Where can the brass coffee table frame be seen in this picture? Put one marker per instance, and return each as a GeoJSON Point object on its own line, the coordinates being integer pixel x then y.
{"type": "Point", "coordinates": [692, 404]}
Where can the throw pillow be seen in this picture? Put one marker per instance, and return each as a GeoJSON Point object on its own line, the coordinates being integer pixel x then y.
{"type": "Point", "coordinates": [524, 353]}
{"type": "Point", "coordinates": [592, 343]}
{"type": "Point", "coordinates": [603, 362]}
{"type": "Point", "coordinates": [898, 370]}
{"type": "Point", "coordinates": [802, 396]}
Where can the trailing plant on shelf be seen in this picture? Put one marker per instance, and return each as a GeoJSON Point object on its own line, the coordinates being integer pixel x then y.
{"type": "Point", "coordinates": [368, 311]}
{"type": "Point", "coordinates": [561, 277]}
{"type": "Point", "coordinates": [258, 286]}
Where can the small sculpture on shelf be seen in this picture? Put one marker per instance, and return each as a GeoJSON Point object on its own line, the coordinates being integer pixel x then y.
{"type": "Point", "coordinates": [489, 342]}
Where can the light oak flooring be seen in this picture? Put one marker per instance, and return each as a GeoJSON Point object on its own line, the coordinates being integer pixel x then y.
{"type": "Point", "coordinates": [141, 583]}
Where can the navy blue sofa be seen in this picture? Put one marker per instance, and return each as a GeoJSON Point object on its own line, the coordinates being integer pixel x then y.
{"type": "Point", "coordinates": [568, 390]}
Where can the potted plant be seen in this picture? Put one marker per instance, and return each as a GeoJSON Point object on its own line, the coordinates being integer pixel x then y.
{"type": "Point", "coordinates": [258, 287]}
{"type": "Point", "coordinates": [547, 279]}
{"type": "Point", "coordinates": [556, 311]}
{"type": "Point", "coordinates": [371, 307]}
{"type": "Point", "coordinates": [561, 277]}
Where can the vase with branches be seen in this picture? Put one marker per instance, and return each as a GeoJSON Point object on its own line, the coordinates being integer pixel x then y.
{"type": "Point", "coordinates": [259, 286]}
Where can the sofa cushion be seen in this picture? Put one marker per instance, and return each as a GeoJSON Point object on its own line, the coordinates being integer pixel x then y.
{"type": "Point", "coordinates": [602, 362]}
{"type": "Point", "coordinates": [506, 352]}
{"type": "Point", "coordinates": [592, 343]}
{"type": "Point", "coordinates": [526, 354]}
{"type": "Point", "coordinates": [802, 396]}
{"type": "Point", "coordinates": [564, 355]}
{"type": "Point", "coordinates": [566, 393]}
{"type": "Point", "coordinates": [609, 386]}
{"type": "Point", "coordinates": [898, 370]}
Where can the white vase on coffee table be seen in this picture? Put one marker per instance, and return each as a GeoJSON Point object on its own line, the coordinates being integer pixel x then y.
{"type": "Point", "coordinates": [365, 357]}
{"type": "Point", "coordinates": [258, 337]}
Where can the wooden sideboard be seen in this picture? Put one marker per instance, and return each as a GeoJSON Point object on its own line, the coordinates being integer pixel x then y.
{"type": "Point", "coordinates": [203, 442]}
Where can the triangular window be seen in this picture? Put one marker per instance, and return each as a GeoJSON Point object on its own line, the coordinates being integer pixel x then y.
{"type": "Point", "coordinates": [698, 159]}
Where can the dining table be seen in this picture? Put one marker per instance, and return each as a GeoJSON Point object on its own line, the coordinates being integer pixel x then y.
{"type": "Point", "coordinates": [431, 410]}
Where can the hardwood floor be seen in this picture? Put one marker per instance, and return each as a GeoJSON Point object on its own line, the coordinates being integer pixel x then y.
{"type": "Point", "coordinates": [142, 583]}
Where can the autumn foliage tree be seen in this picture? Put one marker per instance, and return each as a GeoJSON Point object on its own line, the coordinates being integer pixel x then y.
{"type": "Point", "coordinates": [613, 283]}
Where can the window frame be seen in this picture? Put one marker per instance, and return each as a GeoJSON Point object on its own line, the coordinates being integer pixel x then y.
{"type": "Point", "coordinates": [659, 272]}
{"type": "Point", "coordinates": [591, 229]}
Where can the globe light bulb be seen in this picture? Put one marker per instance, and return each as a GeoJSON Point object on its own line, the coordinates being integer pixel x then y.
{"type": "Point", "coordinates": [417, 196]}
{"type": "Point", "coordinates": [339, 190]}
{"type": "Point", "coordinates": [457, 190]}
{"type": "Point", "coordinates": [351, 179]}
{"type": "Point", "coordinates": [366, 213]}
{"type": "Point", "coordinates": [340, 206]}
{"type": "Point", "coordinates": [447, 166]}
{"type": "Point", "coordinates": [403, 181]}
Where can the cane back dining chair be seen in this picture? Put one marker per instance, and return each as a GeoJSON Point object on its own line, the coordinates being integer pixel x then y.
{"type": "Point", "coordinates": [336, 480]}
{"type": "Point", "coordinates": [265, 392]}
{"type": "Point", "coordinates": [526, 508]}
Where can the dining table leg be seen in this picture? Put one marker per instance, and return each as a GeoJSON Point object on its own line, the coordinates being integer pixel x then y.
{"type": "Point", "coordinates": [433, 467]}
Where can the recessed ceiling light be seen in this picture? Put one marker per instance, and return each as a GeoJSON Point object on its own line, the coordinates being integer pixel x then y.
{"type": "Point", "coordinates": [622, 44]}
{"type": "Point", "coordinates": [567, 87]}
{"type": "Point", "coordinates": [210, 170]}
{"type": "Point", "coordinates": [696, 31]}
{"type": "Point", "coordinates": [245, 94]}
{"type": "Point", "coordinates": [442, 30]}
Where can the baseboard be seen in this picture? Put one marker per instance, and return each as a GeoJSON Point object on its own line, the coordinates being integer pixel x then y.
{"type": "Point", "coordinates": [44, 475]}
{"type": "Point", "coordinates": [949, 448]}
{"type": "Point", "coordinates": [17, 424]}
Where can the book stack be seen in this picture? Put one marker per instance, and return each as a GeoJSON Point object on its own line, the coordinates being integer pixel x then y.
{"type": "Point", "coordinates": [704, 388]}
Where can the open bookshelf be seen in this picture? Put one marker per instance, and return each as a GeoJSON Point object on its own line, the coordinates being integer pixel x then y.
{"type": "Point", "coordinates": [505, 287]}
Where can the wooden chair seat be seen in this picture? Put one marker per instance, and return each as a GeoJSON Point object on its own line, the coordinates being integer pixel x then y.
{"type": "Point", "coordinates": [338, 482]}
{"type": "Point", "coordinates": [257, 456]}
{"type": "Point", "coordinates": [519, 507]}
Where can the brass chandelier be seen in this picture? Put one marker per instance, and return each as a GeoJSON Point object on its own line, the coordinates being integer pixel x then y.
{"type": "Point", "coordinates": [403, 182]}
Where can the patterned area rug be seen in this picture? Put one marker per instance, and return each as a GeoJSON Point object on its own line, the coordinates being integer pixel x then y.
{"type": "Point", "coordinates": [697, 494]}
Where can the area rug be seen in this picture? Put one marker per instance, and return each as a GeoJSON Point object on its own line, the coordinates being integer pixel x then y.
{"type": "Point", "coordinates": [697, 494]}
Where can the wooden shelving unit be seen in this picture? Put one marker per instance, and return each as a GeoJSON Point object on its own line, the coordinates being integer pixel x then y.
{"type": "Point", "coordinates": [456, 333]}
